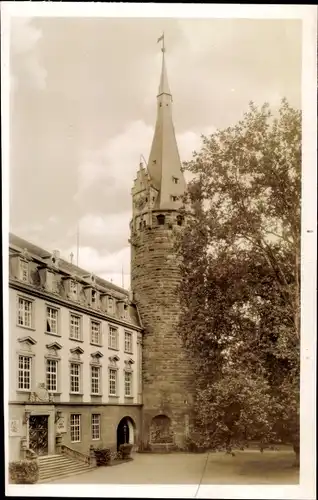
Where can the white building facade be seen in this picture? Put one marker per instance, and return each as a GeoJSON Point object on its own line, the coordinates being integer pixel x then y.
{"type": "Point", "coordinates": [75, 349]}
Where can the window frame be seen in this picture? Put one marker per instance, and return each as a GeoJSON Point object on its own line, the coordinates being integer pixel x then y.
{"type": "Point", "coordinates": [93, 426]}
{"type": "Point", "coordinates": [99, 323]}
{"type": "Point", "coordinates": [130, 374]}
{"type": "Point", "coordinates": [79, 377]}
{"type": "Point", "coordinates": [74, 289]}
{"type": "Point", "coordinates": [24, 267]}
{"type": "Point", "coordinates": [110, 305]}
{"type": "Point", "coordinates": [31, 312]}
{"type": "Point", "coordinates": [79, 317]}
{"type": "Point", "coordinates": [56, 309]}
{"type": "Point", "coordinates": [115, 380]}
{"type": "Point", "coordinates": [99, 378]}
{"type": "Point", "coordinates": [47, 362]}
{"type": "Point", "coordinates": [29, 370]}
{"type": "Point", "coordinates": [111, 329]}
{"type": "Point", "coordinates": [73, 426]}
{"type": "Point", "coordinates": [127, 333]}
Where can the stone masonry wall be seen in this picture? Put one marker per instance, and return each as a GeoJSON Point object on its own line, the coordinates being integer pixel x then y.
{"type": "Point", "coordinates": [165, 369]}
{"type": "Point", "coordinates": [110, 418]}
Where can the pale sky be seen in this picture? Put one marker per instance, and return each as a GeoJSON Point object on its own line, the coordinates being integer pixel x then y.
{"type": "Point", "coordinates": [83, 105]}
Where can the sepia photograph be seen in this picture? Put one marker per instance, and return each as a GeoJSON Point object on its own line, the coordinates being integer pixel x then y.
{"type": "Point", "coordinates": [155, 249]}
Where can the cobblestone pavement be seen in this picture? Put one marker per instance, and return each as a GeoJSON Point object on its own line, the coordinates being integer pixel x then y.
{"type": "Point", "coordinates": [249, 467]}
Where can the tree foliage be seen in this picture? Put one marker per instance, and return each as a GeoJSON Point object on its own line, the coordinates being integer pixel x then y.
{"type": "Point", "coordinates": [240, 287]}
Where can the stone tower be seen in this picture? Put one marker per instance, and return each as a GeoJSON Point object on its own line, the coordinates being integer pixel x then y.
{"type": "Point", "coordinates": [156, 199]}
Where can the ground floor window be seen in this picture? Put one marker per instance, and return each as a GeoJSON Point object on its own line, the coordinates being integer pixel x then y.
{"type": "Point", "coordinates": [95, 426]}
{"type": "Point", "coordinates": [75, 428]}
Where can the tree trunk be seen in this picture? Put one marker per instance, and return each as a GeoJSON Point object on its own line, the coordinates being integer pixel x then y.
{"type": "Point", "coordinates": [296, 450]}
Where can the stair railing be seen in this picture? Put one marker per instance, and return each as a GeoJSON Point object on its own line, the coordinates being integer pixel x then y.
{"type": "Point", "coordinates": [77, 455]}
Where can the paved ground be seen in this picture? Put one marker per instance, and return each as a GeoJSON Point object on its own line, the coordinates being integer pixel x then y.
{"type": "Point", "coordinates": [249, 467]}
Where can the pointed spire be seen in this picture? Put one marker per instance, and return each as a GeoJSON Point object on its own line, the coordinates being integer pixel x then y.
{"type": "Point", "coordinates": [164, 165]}
{"type": "Point", "coordinates": [164, 85]}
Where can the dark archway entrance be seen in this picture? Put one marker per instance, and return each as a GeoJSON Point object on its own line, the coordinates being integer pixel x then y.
{"type": "Point", "coordinates": [125, 432]}
{"type": "Point", "coordinates": [161, 431]}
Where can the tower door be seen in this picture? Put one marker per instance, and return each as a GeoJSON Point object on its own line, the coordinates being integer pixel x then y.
{"type": "Point", "coordinates": [38, 434]}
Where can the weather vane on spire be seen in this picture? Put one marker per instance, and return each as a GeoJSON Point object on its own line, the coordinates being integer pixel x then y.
{"type": "Point", "coordinates": [162, 39]}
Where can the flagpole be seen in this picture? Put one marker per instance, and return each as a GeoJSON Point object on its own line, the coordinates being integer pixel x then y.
{"type": "Point", "coordinates": [77, 244]}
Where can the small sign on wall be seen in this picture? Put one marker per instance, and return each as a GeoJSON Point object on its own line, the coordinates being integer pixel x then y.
{"type": "Point", "coordinates": [14, 427]}
{"type": "Point", "coordinates": [61, 424]}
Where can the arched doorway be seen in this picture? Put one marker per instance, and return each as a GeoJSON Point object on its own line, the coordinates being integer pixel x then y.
{"type": "Point", "coordinates": [161, 430]}
{"type": "Point", "coordinates": [125, 432]}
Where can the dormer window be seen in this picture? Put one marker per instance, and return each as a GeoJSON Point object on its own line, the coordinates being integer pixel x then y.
{"type": "Point", "coordinates": [175, 180]}
{"type": "Point", "coordinates": [94, 298]}
{"type": "Point", "coordinates": [73, 289]}
{"type": "Point", "coordinates": [24, 270]}
{"type": "Point", "coordinates": [110, 305]}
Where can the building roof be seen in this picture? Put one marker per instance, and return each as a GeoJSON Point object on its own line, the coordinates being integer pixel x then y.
{"type": "Point", "coordinates": [164, 165]}
{"type": "Point", "coordinates": [67, 267]}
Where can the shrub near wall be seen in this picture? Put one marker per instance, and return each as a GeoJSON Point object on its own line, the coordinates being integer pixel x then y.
{"type": "Point", "coordinates": [103, 456]}
{"type": "Point", "coordinates": [24, 471]}
{"type": "Point", "coordinates": [125, 450]}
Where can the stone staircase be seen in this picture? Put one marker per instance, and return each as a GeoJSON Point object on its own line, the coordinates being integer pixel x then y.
{"type": "Point", "coordinates": [54, 467]}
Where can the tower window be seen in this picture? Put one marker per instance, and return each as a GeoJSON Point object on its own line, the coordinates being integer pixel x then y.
{"type": "Point", "coordinates": [175, 180]}
{"type": "Point", "coordinates": [179, 220]}
{"type": "Point", "coordinates": [161, 219]}
{"type": "Point", "coordinates": [174, 198]}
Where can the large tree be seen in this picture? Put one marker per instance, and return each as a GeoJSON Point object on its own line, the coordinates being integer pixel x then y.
{"type": "Point", "coordinates": [240, 287]}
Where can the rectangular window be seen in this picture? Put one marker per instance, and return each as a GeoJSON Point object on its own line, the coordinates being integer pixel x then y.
{"type": "Point", "coordinates": [75, 327]}
{"type": "Point", "coordinates": [128, 383]}
{"type": "Point", "coordinates": [24, 267]}
{"type": "Point", "coordinates": [113, 338]}
{"type": "Point", "coordinates": [95, 426]}
{"type": "Point", "coordinates": [24, 375]}
{"type": "Point", "coordinates": [110, 304]}
{"type": "Point", "coordinates": [51, 320]}
{"type": "Point", "coordinates": [175, 180]}
{"type": "Point", "coordinates": [75, 428]}
{"type": "Point", "coordinates": [94, 298]}
{"type": "Point", "coordinates": [73, 289]}
{"type": "Point", "coordinates": [75, 378]}
{"type": "Point", "coordinates": [128, 342]}
{"type": "Point", "coordinates": [95, 332]}
{"type": "Point", "coordinates": [174, 198]}
{"type": "Point", "coordinates": [25, 312]}
{"type": "Point", "coordinates": [95, 379]}
{"type": "Point", "coordinates": [51, 375]}
{"type": "Point", "coordinates": [112, 382]}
